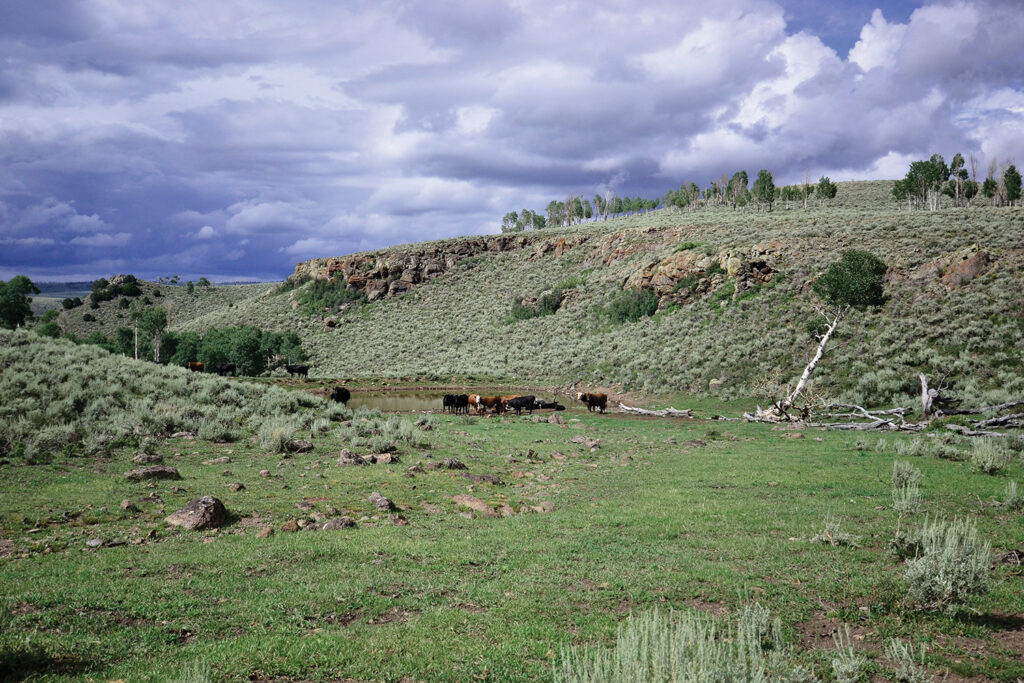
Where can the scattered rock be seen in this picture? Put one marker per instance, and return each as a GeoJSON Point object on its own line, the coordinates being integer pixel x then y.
{"type": "Point", "coordinates": [305, 505]}
{"type": "Point", "coordinates": [155, 472]}
{"type": "Point", "coordinates": [300, 446]}
{"type": "Point", "coordinates": [453, 464]}
{"type": "Point", "coordinates": [338, 523]}
{"type": "Point", "coordinates": [475, 504]}
{"type": "Point", "coordinates": [200, 513]}
{"type": "Point", "coordinates": [380, 502]}
{"type": "Point", "coordinates": [264, 473]}
{"type": "Point", "coordinates": [128, 506]}
{"type": "Point", "coordinates": [94, 543]}
{"type": "Point", "coordinates": [585, 441]}
{"type": "Point", "coordinates": [556, 419]}
{"type": "Point", "coordinates": [146, 458]}
{"type": "Point", "coordinates": [384, 458]}
{"type": "Point", "coordinates": [265, 532]}
{"type": "Point", "coordinates": [236, 486]}
{"type": "Point", "coordinates": [183, 435]}
{"type": "Point", "coordinates": [482, 478]}
{"type": "Point", "coordinates": [348, 458]}
{"type": "Point", "coordinates": [430, 508]}
{"type": "Point", "coordinates": [290, 525]}
{"type": "Point", "coordinates": [545, 506]}
{"type": "Point", "coordinates": [218, 461]}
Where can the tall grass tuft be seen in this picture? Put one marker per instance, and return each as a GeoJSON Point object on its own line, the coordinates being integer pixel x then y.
{"type": "Point", "coordinates": [686, 647]}
{"type": "Point", "coordinates": [907, 669]}
{"type": "Point", "coordinates": [951, 566]}
{"type": "Point", "coordinates": [834, 535]}
{"type": "Point", "coordinates": [847, 665]}
{"type": "Point", "coordinates": [274, 435]}
{"type": "Point", "coordinates": [1012, 499]}
{"type": "Point", "coordinates": [906, 493]}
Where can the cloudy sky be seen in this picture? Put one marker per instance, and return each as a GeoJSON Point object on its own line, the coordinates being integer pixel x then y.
{"type": "Point", "coordinates": [234, 138]}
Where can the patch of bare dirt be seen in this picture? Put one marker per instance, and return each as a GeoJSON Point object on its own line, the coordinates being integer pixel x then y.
{"type": "Point", "coordinates": [392, 616]}
{"type": "Point", "coordinates": [715, 609]}
{"type": "Point", "coordinates": [819, 631]}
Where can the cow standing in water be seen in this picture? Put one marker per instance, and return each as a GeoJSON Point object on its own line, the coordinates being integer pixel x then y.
{"type": "Point", "coordinates": [340, 395]}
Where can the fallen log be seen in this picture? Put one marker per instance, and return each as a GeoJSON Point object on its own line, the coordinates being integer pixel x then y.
{"type": "Point", "coordinates": [1011, 420]}
{"type": "Point", "coordinates": [983, 409]}
{"type": "Point", "coordinates": [967, 431]}
{"type": "Point", "coordinates": [667, 412]}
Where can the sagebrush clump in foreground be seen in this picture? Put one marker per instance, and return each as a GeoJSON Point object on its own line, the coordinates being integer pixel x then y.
{"type": "Point", "coordinates": [687, 646]}
{"type": "Point", "coordinates": [951, 567]}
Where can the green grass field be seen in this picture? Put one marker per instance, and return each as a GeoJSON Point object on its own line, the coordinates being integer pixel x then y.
{"type": "Point", "coordinates": [663, 513]}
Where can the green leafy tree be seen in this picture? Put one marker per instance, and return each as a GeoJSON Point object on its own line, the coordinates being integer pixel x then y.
{"type": "Point", "coordinates": [510, 222]}
{"type": "Point", "coordinates": [16, 300]}
{"type": "Point", "coordinates": [764, 189]}
{"type": "Point", "coordinates": [737, 192]}
{"type": "Point", "coordinates": [826, 189]}
{"type": "Point", "coordinates": [190, 287]}
{"type": "Point", "coordinates": [152, 322]}
{"type": "Point", "coordinates": [1011, 181]}
{"type": "Point", "coordinates": [186, 349]}
{"type": "Point", "coordinates": [203, 282]}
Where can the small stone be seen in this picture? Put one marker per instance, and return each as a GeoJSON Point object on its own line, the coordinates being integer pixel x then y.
{"type": "Point", "coordinates": [155, 472]}
{"type": "Point", "coordinates": [146, 458]}
{"type": "Point", "coordinates": [300, 446]}
{"type": "Point", "coordinates": [264, 473]}
{"type": "Point", "coordinates": [338, 523]}
{"type": "Point", "coordinates": [290, 525]}
{"type": "Point", "coordinates": [128, 506]}
{"type": "Point", "coordinates": [218, 461]}
{"type": "Point", "coordinates": [236, 486]}
{"type": "Point", "coordinates": [380, 502]}
{"type": "Point", "coordinates": [556, 419]}
{"type": "Point", "coordinates": [545, 506]}
{"type": "Point", "coordinates": [302, 523]}
{"type": "Point", "coordinates": [453, 464]}
{"type": "Point", "coordinates": [305, 505]}
{"type": "Point", "coordinates": [183, 435]}
{"type": "Point", "coordinates": [200, 513]}
{"type": "Point", "coordinates": [94, 543]}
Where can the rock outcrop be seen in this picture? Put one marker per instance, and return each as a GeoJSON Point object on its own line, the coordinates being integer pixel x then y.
{"type": "Point", "coordinates": [394, 272]}
{"type": "Point", "coordinates": [201, 513]}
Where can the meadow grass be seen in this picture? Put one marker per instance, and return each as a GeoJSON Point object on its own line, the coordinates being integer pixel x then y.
{"type": "Point", "coordinates": [663, 514]}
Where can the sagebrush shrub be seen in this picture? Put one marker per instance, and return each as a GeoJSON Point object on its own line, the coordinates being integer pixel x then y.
{"type": "Point", "coordinates": [951, 567]}
{"type": "Point", "coordinates": [686, 647]}
{"type": "Point", "coordinates": [990, 456]}
{"type": "Point", "coordinates": [906, 668]}
{"type": "Point", "coordinates": [847, 665]}
{"type": "Point", "coordinates": [833, 534]}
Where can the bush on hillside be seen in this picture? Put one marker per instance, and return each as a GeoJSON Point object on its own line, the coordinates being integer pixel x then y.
{"type": "Point", "coordinates": [855, 280]}
{"type": "Point", "coordinates": [631, 305]}
{"type": "Point", "coordinates": [324, 295]}
{"type": "Point", "coordinates": [547, 303]}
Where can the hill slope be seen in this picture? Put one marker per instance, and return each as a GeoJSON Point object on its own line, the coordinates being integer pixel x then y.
{"type": "Point", "coordinates": [735, 298]}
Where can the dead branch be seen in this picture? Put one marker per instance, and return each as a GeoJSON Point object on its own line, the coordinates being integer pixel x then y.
{"type": "Point", "coordinates": [1011, 420]}
{"type": "Point", "coordinates": [667, 412]}
{"type": "Point", "coordinates": [983, 409]}
{"type": "Point", "coordinates": [967, 431]}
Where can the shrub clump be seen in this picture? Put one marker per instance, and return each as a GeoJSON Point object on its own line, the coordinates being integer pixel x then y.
{"type": "Point", "coordinates": [687, 647]}
{"type": "Point", "coordinates": [321, 295]}
{"type": "Point", "coordinates": [951, 566]}
{"type": "Point", "coordinates": [834, 535]}
{"type": "Point", "coordinates": [547, 303]}
{"type": "Point", "coordinates": [990, 456]}
{"type": "Point", "coordinates": [631, 305]}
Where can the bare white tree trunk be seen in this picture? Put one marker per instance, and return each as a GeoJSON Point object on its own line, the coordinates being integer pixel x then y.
{"type": "Point", "coordinates": [926, 398]}
{"type": "Point", "coordinates": [833, 322]}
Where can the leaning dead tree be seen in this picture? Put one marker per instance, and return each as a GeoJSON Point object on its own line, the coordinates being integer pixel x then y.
{"type": "Point", "coordinates": [853, 282]}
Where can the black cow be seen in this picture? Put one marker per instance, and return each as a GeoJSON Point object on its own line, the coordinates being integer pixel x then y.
{"type": "Point", "coordinates": [521, 402]}
{"type": "Point", "coordinates": [297, 370]}
{"type": "Point", "coordinates": [456, 403]}
{"type": "Point", "coordinates": [340, 394]}
{"type": "Point", "coordinates": [541, 404]}
{"type": "Point", "coordinates": [225, 369]}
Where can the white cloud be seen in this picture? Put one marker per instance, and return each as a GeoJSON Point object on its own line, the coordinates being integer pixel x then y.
{"type": "Point", "coordinates": [879, 42]}
{"type": "Point", "coordinates": [119, 239]}
{"type": "Point", "coordinates": [206, 232]}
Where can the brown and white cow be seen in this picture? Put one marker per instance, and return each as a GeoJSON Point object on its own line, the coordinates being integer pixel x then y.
{"type": "Point", "coordinates": [598, 401]}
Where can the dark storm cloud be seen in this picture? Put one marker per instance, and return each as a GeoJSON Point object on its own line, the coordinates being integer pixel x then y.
{"type": "Point", "coordinates": [231, 139]}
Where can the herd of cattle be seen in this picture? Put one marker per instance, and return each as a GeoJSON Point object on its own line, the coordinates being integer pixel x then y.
{"type": "Point", "coordinates": [459, 404]}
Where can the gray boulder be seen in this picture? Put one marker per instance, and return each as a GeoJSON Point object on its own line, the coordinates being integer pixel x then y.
{"type": "Point", "coordinates": [202, 513]}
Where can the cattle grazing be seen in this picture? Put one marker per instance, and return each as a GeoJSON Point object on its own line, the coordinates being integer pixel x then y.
{"type": "Point", "coordinates": [541, 404]}
{"type": "Point", "coordinates": [297, 370]}
{"type": "Point", "coordinates": [519, 403]}
{"type": "Point", "coordinates": [340, 395]}
{"type": "Point", "coordinates": [474, 401]}
{"type": "Point", "coordinates": [593, 401]}
{"type": "Point", "coordinates": [461, 404]}
{"type": "Point", "coordinates": [194, 366]}
{"type": "Point", "coordinates": [225, 369]}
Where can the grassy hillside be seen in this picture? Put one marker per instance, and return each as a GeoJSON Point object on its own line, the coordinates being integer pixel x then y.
{"type": "Point", "coordinates": [727, 341]}
{"type": "Point", "coordinates": [181, 305]}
